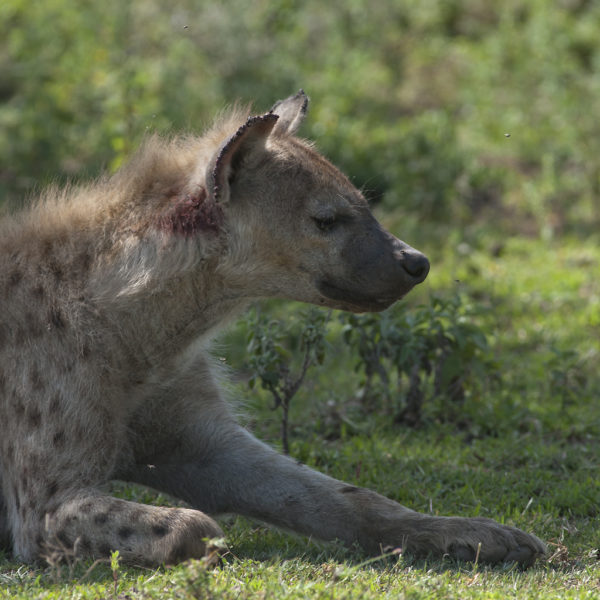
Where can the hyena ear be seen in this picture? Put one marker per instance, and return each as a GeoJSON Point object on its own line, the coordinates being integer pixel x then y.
{"type": "Point", "coordinates": [248, 137]}
{"type": "Point", "coordinates": [291, 113]}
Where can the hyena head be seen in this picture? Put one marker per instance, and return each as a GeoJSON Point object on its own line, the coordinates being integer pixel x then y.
{"type": "Point", "coordinates": [297, 227]}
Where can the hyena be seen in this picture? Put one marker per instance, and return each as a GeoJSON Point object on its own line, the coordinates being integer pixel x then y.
{"type": "Point", "coordinates": [111, 294]}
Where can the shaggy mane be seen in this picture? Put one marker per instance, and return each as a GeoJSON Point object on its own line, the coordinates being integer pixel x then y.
{"type": "Point", "coordinates": [161, 168]}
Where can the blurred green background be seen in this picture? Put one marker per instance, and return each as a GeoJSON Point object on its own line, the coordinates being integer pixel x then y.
{"type": "Point", "coordinates": [415, 100]}
{"type": "Point", "coordinates": [473, 128]}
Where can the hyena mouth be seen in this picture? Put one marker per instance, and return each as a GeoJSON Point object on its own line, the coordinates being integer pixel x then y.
{"type": "Point", "coordinates": [357, 301]}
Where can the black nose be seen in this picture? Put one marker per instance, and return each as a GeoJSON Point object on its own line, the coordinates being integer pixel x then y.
{"type": "Point", "coordinates": [415, 264]}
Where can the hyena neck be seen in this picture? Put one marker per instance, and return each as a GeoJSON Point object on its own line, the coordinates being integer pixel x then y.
{"type": "Point", "coordinates": [162, 332]}
{"type": "Point", "coordinates": [165, 293]}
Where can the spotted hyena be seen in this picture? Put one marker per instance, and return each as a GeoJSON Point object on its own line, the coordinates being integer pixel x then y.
{"type": "Point", "coordinates": [110, 295]}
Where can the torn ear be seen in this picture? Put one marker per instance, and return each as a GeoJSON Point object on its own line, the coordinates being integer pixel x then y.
{"type": "Point", "coordinates": [291, 113]}
{"type": "Point", "coordinates": [247, 138]}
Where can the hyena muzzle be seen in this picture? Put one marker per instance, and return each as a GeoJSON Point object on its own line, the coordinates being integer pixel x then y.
{"type": "Point", "coordinates": [110, 295]}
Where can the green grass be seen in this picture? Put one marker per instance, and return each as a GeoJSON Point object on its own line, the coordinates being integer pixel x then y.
{"type": "Point", "coordinates": [535, 482]}
{"type": "Point", "coordinates": [318, 576]}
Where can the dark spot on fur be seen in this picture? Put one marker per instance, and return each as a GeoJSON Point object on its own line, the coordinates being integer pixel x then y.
{"type": "Point", "coordinates": [64, 538]}
{"type": "Point", "coordinates": [56, 318]}
{"type": "Point", "coordinates": [160, 530]}
{"type": "Point", "coordinates": [87, 506]}
{"type": "Point", "coordinates": [10, 452]}
{"type": "Point", "coordinates": [85, 260]}
{"type": "Point", "coordinates": [18, 408]}
{"type": "Point", "coordinates": [15, 278]}
{"type": "Point", "coordinates": [101, 518]}
{"type": "Point", "coordinates": [39, 292]}
{"type": "Point", "coordinates": [34, 417]}
{"type": "Point", "coordinates": [125, 532]}
{"type": "Point", "coordinates": [56, 270]}
{"type": "Point", "coordinates": [54, 405]}
{"type": "Point", "coordinates": [58, 439]}
{"type": "Point", "coordinates": [350, 489]}
{"type": "Point", "coordinates": [36, 379]}
{"type": "Point", "coordinates": [17, 498]}
{"type": "Point", "coordinates": [52, 488]}
{"type": "Point", "coordinates": [85, 546]}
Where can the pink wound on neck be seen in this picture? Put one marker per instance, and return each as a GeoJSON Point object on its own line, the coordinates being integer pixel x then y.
{"type": "Point", "coordinates": [191, 214]}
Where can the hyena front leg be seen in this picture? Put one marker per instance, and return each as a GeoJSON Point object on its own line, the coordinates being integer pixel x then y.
{"type": "Point", "coordinates": [51, 489]}
{"type": "Point", "coordinates": [89, 523]}
{"type": "Point", "coordinates": [242, 475]}
{"type": "Point", "coordinates": [192, 448]}
{"type": "Point", "coordinates": [94, 525]}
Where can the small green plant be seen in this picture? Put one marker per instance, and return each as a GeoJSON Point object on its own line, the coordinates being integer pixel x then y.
{"type": "Point", "coordinates": [114, 567]}
{"type": "Point", "coordinates": [567, 379]}
{"type": "Point", "coordinates": [436, 350]}
{"type": "Point", "coordinates": [271, 347]}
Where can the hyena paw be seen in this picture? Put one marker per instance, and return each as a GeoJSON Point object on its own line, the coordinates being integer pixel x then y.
{"type": "Point", "coordinates": [143, 535]}
{"type": "Point", "coordinates": [192, 535]}
{"type": "Point", "coordinates": [487, 541]}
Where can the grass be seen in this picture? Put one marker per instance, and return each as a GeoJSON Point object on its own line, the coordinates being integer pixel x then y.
{"type": "Point", "coordinates": [537, 483]}
{"type": "Point", "coordinates": [317, 576]}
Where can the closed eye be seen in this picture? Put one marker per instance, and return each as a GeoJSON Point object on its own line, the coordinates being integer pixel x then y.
{"type": "Point", "coordinates": [325, 223]}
